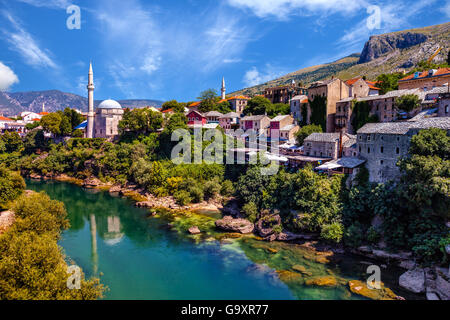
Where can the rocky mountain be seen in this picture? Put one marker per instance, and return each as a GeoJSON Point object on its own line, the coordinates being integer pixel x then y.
{"type": "Point", "coordinates": [13, 103]}
{"type": "Point", "coordinates": [386, 53]}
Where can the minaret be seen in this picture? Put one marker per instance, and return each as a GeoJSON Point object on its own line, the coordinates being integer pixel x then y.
{"type": "Point", "coordinates": [223, 89]}
{"type": "Point", "coordinates": [90, 87]}
{"type": "Point", "coordinates": [43, 107]}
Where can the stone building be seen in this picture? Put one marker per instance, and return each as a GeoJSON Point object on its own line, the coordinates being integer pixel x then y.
{"type": "Point", "coordinates": [334, 90]}
{"type": "Point", "coordinates": [213, 116]}
{"type": "Point", "coordinates": [283, 128]}
{"type": "Point", "coordinates": [425, 80]}
{"type": "Point", "coordinates": [103, 122]}
{"type": "Point", "coordinates": [283, 94]}
{"type": "Point", "coordinates": [297, 103]}
{"type": "Point", "coordinates": [238, 103]}
{"type": "Point", "coordinates": [444, 105]}
{"type": "Point", "coordinates": [383, 144]}
{"type": "Point", "coordinates": [259, 123]}
{"type": "Point", "coordinates": [106, 120]}
{"type": "Point", "coordinates": [229, 121]}
{"type": "Point", "coordinates": [358, 87]}
{"type": "Point", "coordinates": [325, 145]}
{"type": "Point", "coordinates": [382, 106]}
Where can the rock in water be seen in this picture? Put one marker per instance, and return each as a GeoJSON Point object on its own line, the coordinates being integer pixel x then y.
{"type": "Point", "coordinates": [194, 230]}
{"type": "Point", "coordinates": [413, 280]}
{"type": "Point", "coordinates": [235, 225]}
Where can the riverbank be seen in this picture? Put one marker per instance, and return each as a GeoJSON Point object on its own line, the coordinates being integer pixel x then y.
{"type": "Point", "coordinates": [183, 220]}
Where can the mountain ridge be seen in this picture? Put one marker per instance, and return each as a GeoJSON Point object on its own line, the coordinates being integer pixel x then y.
{"type": "Point", "coordinates": [13, 103]}
{"type": "Point", "coordinates": [385, 53]}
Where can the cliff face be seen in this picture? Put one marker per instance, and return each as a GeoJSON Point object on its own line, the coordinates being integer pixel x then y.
{"type": "Point", "coordinates": [383, 44]}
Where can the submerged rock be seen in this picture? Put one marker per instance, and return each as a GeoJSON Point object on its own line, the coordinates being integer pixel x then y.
{"type": "Point", "coordinates": [265, 225]}
{"type": "Point", "coordinates": [92, 182]}
{"type": "Point", "coordinates": [235, 225]}
{"type": "Point", "coordinates": [360, 288]}
{"type": "Point", "coordinates": [325, 281]}
{"type": "Point", "coordinates": [413, 280]}
{"type": "Point", "coordinates": [194, 230]}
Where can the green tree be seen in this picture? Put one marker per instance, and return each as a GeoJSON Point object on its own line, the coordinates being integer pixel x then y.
{"type": "Point", "coordinates": [12, 142]}
{"type": "Point", "coordinates": [12, 186]}
{"type": "Point", "coordinates": [319, 111]}
{"type": "Point", "coordinates": [52, 123]}
{"type": "Point", "coordinates": [208, 100]}
{"type": "Point", "coordinates": [361, 114]}
{"type": "Point", "coordinates": [278, 109]}
{"type": "Point", "coordinates": [305, 131]}
{"type": "Point", "coordinates": [431, 142]}
{"type": "Point", "coordinates": [74, 118]}
{"type": "Point", "coordinates": [35, 141]}
{"type": "Point", "coordinates": [140, 121]}
{"type": "Point", "coordinates": [174, 105]}
{"type": "Point", "coordinates": [257, 106]}
{"type": "Point", "coordinates": [407, 102]}
{"type": "Point", "coordinates": [388, 82]}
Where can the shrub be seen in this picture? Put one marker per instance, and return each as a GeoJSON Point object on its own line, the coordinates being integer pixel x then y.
{"type": "Point", "coordinates": [251, 211]}
{"type": "Point", "coordinates": [197, 194]}
{"type": "Point", "coordinates": [227, 188]}
{"type": "Point", "coordinates": [332, 232]}
{"type": "Point", "coordinates": [11, 186]}
{"type": "Point", "coordinates": [212, 188]}
{"type": "Point", "coordinates": [182, 197]}
{"type": "Point", "coordinates": [354, 236]}
{"type": "Point", "coordinates": [373, 236]}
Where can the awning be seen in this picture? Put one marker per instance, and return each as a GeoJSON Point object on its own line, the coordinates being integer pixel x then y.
{"type": "Point", "coordinates": [329, 166]}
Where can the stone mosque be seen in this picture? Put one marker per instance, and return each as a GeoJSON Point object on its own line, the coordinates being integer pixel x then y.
{"type": "Point", "coordinates": [104, 122]}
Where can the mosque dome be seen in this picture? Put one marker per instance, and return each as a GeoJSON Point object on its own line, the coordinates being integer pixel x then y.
{"type": "Point", "coordinates": [109, 104]}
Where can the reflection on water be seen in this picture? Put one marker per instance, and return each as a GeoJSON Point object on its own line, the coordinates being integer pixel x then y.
{"type": "Point", "coordinates": [141, 258]}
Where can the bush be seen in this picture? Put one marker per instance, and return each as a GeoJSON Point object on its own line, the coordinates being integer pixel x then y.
{"type": "Point", "coordinates": [196, 194]}
{"type": "Point", "coordinates": [373, 236]}
{"type": "Point", "coordinates": [354, 236]}
{"type": "Point", "coordinates": [332, 232]}
{"type": "Point", "coordinates": [182, 197]}
{"type": "Point", "coordinates": [227, 188]}
{"type": "Point", "coordinates": [11, 187]}
{"type": "Point", "coordinates": [212, 188]}
{"type": "Point", "coordinates": [251, 211]}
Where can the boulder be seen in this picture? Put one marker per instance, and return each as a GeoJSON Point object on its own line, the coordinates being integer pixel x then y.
{"type": "Point", "coordinates": [265, 225]}
{"type": "Point", "coordinates": [115, 189]}
{"type": "Point", "coordinates": [289, 236]}
{"type": "Point", "coordinates": [407, 264]}
{"type": "Point", "coordinates": [194, 230]}
{"type": "Point", "coordinates": [413, 280]}
{"type": "Point", "coordinates": [91, 182]}
{"type": "Point", "coordinates": [326, 281]}
{"type": "Point", "coordinates": [443, 285]}
{"type": "Point", "coordinates": [235, 225]}
{"type": "Point", "coordinates": [144, 204]}
{"type": "Point", "coordinates": [381, 254]}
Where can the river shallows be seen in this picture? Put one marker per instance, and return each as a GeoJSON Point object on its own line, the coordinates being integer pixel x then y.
{"type": "Point", "coordinates": [138, 258]}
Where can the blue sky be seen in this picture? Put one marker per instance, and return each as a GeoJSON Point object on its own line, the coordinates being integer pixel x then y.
{"type": "Point", "coordinates": [167, 49]}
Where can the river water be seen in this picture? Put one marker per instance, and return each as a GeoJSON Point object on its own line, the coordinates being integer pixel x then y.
{"type": "Point", "coordinates": [138, 257]}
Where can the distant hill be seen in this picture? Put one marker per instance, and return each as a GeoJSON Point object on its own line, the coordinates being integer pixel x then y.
{"type": "Point", "coordinates": [386, 53]}
{"type": "Point", "coordinates": [16, 102]}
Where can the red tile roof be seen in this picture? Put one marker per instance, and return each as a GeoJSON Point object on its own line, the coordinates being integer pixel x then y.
{"type": "Point", "coordinates": [351, 81]}
{"type": "Point", "coordinates": [36, 119]}
{"type": "Point", "coordinates": [5, 119]}
{"type": "Point", "coordinates": [371, 84]}
{"type": "Point", "coordinates": [194, 104]}
{"type": "Point", "coordinates": [424, 74]}
{"type": "Point", "coordinates": [238, 97]}
{"type": "Point", "coordinates": [304, 101]}
{"type": "Point", "coordinates": [43, 113]}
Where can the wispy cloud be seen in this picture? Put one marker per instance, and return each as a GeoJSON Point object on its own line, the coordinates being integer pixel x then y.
{"type": "Point", "coordinates": [7, 77]}
{"type": "Point", "coordinates": [254, 76]}
{"type": "Point", "coordinates": [283, 9]}
{"type": "Point", "coordinates": [54, 4]}
{"type": "Point", "coordinates": [446, 9]}
{"type": "Point", "coordinates": [23, 43]}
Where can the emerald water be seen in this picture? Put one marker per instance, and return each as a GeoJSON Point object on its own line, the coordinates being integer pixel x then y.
{"type": "Point", "coordinates": [138, 257]}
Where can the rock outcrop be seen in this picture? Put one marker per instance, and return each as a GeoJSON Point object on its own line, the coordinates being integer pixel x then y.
{"type": "Point", "coordinates": [413, 280]}
{"type": "Point", "coordinates": [235, 225]}
{"type": "Point", "coordinates": [386, 43]}
{"type": "Point", "coordinates": [194, 230]}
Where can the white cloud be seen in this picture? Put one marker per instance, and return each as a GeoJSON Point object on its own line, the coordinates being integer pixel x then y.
{"type": "Point", "coordinates": [22, 42]}
{"type": "Point", "coordinates": [54, 4]}
{"type": "Point", "coordinates": [7, 77]}
{"type": "Point", "coordinates": [254, 77]}
{"type": "Point", "coordinates": [446, 9]}
{"type": "Point", "coordinates": [282, 9]}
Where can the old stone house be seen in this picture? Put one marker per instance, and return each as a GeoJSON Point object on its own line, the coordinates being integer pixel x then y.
{"type": "Point", "coordinates": [229, 121]}
{"type": "Point", "coordinates": [383, 144]}
{"type": "Point", "coordinates": [358, 87]}
{"type": "Point", "coordinates": [326, 145]}
{"type": "Point", "coordinates": [425, 80]}
{"type": "Point", "coordinates": [297, 103]}
{"type": "Point", "coordinates": [259, 123]}
{"type": "Point", "coordinates": [283, 94]}
{"type": "Point", "coordinates": [334, 90]}
{"type": "Point", "coordinates": [444, 105]}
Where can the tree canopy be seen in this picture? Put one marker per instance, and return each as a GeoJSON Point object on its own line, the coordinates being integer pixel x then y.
{"type": "Point", "coordinates": [407, 102]}
{"type": "Point", "coordinates": [305, 131]}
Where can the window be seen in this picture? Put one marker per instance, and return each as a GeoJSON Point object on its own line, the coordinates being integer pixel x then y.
{"type": "Point", "coordinates": [359, 149]}
{"type": "Point", "coordinates": [381, 149]}
{"type": "Point", "coordinates": [446, 109]}
{"type": "Point", "coordinates": [368, 150]}
{"type": "Point", "coordinates": [397, 150]}
{"type": "Point", "coordinates": [381, 162]}
{"type": "Point", "coordinates": [368, 137]}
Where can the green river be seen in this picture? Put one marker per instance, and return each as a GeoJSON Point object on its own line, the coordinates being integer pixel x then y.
{"type": "Point", "coordinates": [139, 257]}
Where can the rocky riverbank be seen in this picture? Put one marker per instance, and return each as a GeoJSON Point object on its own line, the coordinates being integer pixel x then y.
{"type": "Point", "coordinates": [434, 282]}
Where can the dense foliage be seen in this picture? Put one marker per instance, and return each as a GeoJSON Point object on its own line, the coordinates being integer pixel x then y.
{"type": "Point", "coordinates": [306, 131]}
{"type": "Point", "coordinates": [260, 105]}
{"type": "Point", "coordinates": [407, 102]}
{"type": "Point", "coordinates": [361, 114]}
{"type": "Point", "coordinates": [32, 265]}
{"type": "Point", "coordinates": [319, 111]}
{"type": "Point", "coordinates": [11, 187]}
